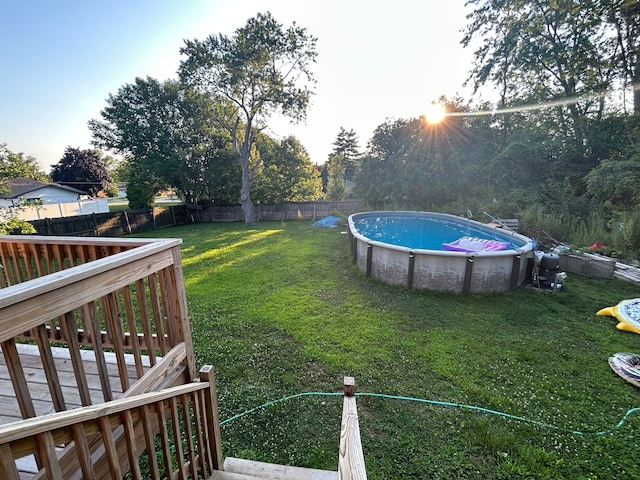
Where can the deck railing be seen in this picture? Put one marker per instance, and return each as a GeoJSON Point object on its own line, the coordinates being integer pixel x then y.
{"type": "Point", "coordinates": [172, 433]}
{"type": "Point", "coordinates": [111, 297]}
{"type": "Point", "coordinates": [106, 302]}
{"type": "Point", "coordinates": [351, 457]}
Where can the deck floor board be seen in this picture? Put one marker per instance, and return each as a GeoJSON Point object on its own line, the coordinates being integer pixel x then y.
{"type": "Point", "coordinates": [39, 390]}
{"type": "Point", "coordinates": [34, 373]}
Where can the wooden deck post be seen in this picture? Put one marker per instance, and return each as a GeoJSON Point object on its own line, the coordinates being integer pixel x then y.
{"type": "Point", "coordinates": [182, 317]}
{"type": "Point", "coordinates": [351, 459]}
{"type": "Point", "coordinates": [213, 417]}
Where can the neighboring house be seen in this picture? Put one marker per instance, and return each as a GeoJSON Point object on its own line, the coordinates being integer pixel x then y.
{"type": "Point", "coordinates": [30, 190]}
{"type": "Point", "coordinates": [49, 199]}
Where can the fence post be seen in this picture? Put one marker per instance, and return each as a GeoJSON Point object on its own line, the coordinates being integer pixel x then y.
{"type": "Point", "coordinates": [173, 214]}
{"type": "Point", "coordinates": [95, 224]}
{"type": "Point", "coordinates": [126, 218]}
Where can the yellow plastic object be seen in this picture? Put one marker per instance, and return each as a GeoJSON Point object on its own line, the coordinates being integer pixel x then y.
{"type": "Point", "coordinates": [607, 312]}
{"type": "Point", "coordinates": [627, 312]}
{"type": "Point", "coordinates": [625, 327]}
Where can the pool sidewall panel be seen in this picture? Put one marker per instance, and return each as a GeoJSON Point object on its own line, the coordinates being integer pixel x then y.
{"type": "Point", "coordinates": [440, 270]}
{"type": "Point", "coordinates": [491, 274]}
{"type": "Point", "coordinates": [390, 265]}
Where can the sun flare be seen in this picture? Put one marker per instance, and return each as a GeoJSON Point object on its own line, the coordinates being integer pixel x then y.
{"type": "Point", "coordinates": [435, 113]}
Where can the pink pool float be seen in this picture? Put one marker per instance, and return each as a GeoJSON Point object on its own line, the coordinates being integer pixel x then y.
{"type": "Point", "coordinates": [473, 244]}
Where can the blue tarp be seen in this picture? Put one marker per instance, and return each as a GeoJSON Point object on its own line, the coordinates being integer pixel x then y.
{"type": "Point", "coordinates": [330, 221]}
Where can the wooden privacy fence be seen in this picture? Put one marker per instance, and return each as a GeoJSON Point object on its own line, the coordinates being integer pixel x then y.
{"type": "Point", "coordinates": [115, 224]}
{"type": "Point", "coordinates": [285, 211]}
{"type": "Point", "coordinates": [125, 222]}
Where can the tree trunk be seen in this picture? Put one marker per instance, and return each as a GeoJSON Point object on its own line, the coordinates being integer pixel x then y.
{"type": "Point", "coordinates": [636, 87]}
{"type": "Point", "coordinates": [245, 195]}
{"type": "Point", "coordinates": [635, 75]}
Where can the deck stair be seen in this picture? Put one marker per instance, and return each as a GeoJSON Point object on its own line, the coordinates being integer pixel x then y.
{"type": "Point", "coordinates": [350, 461]}
{"type": "Point", "coordinates": [239, 469]}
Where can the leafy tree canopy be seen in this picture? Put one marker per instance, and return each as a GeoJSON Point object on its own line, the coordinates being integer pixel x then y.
{"type": "Point", "coordinates": [286, 173]}
{"type": "Point", "coordinates": [17, 165]}
{"type": "Point", "coordinates": [142, 184]}
{"type": "Point", "coordinates": [81, 169]}
{"type": "Point", "coordinates": [563, 57]}
{"type": "Point", "coordinates": [168, 131]}
{"type": "Point", "coordinates": [261, 69]}
{"type": "Point", "coordinates": [616, 182]}
{"type": "Point", "coordinates": [418, 165]}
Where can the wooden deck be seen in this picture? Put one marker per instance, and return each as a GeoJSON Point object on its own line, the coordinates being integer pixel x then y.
{"type": "Point", "coordinates": [85, 322]}
{"type": "Point", "coordinates": [34, 371]}
{"type": "Point", "coordinates": [97, 369]}
{"type": "Point", "coordinates": [39, 387]}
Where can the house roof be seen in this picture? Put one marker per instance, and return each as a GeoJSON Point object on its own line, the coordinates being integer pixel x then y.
{"type": "Point", "coordinates": [23, 186]}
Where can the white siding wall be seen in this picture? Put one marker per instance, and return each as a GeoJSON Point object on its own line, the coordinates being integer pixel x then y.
{"type": "Point", "coordinates": [52, 195]}
{"type": "Point", "coordinates": [68, 209]}
{"type": "Point", "coordinates": [55, 210]}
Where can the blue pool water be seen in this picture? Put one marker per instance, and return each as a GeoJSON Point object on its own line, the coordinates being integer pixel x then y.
{"type": "Point", "coordinates": [425, 231]}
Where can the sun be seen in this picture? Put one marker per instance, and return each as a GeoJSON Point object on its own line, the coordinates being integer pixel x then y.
{"type": "Point", "coordinates": [435, 113]}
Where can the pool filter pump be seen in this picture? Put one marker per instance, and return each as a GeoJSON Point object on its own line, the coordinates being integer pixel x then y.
{"type": "Point", "coordinates": [545, 273]}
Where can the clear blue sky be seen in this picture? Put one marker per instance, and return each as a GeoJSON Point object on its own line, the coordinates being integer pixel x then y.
{"type": "Point", "coordinates": [60, 59]}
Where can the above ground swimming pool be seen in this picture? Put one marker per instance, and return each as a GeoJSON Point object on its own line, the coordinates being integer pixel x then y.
{"type": "Point", "coordinates": [415, 249]}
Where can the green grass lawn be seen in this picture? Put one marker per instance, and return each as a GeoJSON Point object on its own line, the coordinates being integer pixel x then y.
{"type": "Point", "coordinates": [279, 309]}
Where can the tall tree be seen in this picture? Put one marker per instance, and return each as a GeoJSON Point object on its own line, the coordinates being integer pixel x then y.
{"type": "Point", "coordinates": [537, 51]}
{"type": "Point", "coordinates": [286, 173]}
{"type": "Point", "coordinates": [259, 70]}
{"type": "Point", "coordinates": [336, 185]}
{"type": "Point", "coordinates": [81, 169]}
{"type": "Point", "coordinates": [624, 15]}
{"type": "Point", "coordinates": [15, 165]}
{"type": "Point", "coordinates": [561, 65]}
{"type": "Point", "coordinates": [166, 130]}
{"type": "Point", "coordinates": [347, 150]}
{"type": "Point", "coordinates": [324, 175]}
